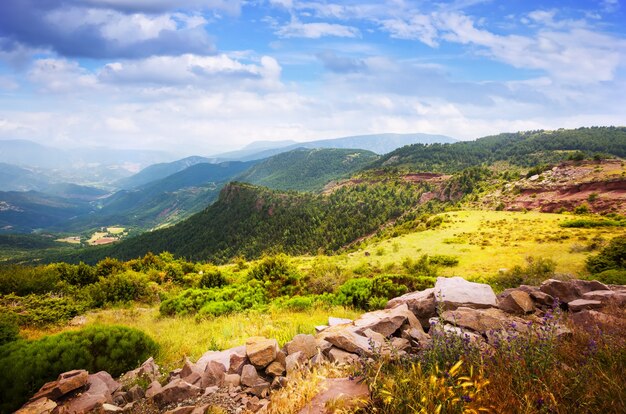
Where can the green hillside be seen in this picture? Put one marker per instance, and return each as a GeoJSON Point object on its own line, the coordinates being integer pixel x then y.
{"type": "Point", "coordinates": [249, 221]}
{"type": "Point", "coordinates": [525, 149]}
{"type": "Point", "coordinates": [307, 169]}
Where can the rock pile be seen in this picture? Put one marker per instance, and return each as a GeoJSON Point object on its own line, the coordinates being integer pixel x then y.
{"type": "Point", "coordinates": [241, 378]}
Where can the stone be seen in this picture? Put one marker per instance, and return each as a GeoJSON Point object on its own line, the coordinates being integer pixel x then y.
{"type": "Point", "coordinates": [320, 328]}
{"type": "Point", "coordinates": [581, 304]}
{"type": "Point", "coordinates": [148, 371]}
{"type": "Point", "coordinates": [174, 374]}
{"type": "Point", "coordinates": [261, 351]}
{"type": "Point", "coordinates": [569, 290]}
{"type": "Point", "coordinates": [100, 389]}
{"type": "Point", "coordinates": [213, 374]}
{"type": "Point", "coordinates": [110, 409]}
{"type": "Point", "coordinates": [400, 344]}
{"type": "Point", "coordinates": [418, 336]}
{"type": "Point", "coordinates": [187, 409]}
{"type": "Point", "coordinates": [386, 321]}
{"type": "Point", "coordinates": [176, 391]}
{"type": "Point", "coordinates": [281, 357]}
{"type": "Point", "coordinates": [453, 292]}
{"type": "Point", "coordinates": [606, 296]}
{"type": "Point", "coordinates": [332, 321]}
{"type": "Point", "coordinates": [349, 394]}
{"type": "Point", "coordinates": [249, 376]}
{"type": "Point", "coordinates": [232, 359]}
{"type": "Point", "coordinates": [302, 343]}
{"type": "Point", "coordinates": [539, 297]}
{"type": "Point", "coordinates": [152, 389]}
{"type": "Point", "coordinates": [275, 369]}
{"type": "Point", "coordinates": [232, 380]}
{"type": "Point", "coordinates": [40, 406]}
{"type": "Point", "coordinates": [278, 383]}
{"type": "Point", "coordinates": [480, 320]}
{"type": "Point", "coordinates": [339, 356]}
{"type": "Point", "coordinates": [323, 345]}
{"type": "Point", "coordinates": [136, 393]}
{"type": "Point", "coordinates": [260, 389]}
{"type": "Point", "coordinates": [64, 384]}
{"type": "Point", "coordinates": [515, 301]}
{"type": "Point", "coordinates": [295, 361]}
{"type": "Point", "coordinates": [591, 319]}
{"type": "Point", "coordinates": [347, 340]}
{"type": "Point", "coordinates": [421, 304]}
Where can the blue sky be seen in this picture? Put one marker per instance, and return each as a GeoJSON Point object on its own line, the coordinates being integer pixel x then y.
{"type": "Point", "coordinates": [203, 76]}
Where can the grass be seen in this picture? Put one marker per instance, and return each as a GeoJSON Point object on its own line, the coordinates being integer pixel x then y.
{"type": "Point", "coordinates": [485, 242]}
{"type": "Point", "coordinates": [185, 336]}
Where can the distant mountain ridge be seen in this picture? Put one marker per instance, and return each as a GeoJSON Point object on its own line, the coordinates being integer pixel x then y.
{"type": "Point", "coordinates": [157, 171]}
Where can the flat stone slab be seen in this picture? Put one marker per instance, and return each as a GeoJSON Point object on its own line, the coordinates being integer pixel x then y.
{"type": "Point", "coordinates": [352, 393]}
{"type": "Point", "coordinates": [454, 292]}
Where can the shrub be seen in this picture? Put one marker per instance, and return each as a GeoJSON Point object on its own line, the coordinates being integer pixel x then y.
{"type": "Point", "coordinates": [355, 293]}
{"type": "Point", "coordinates": [108, 266]}
{"type": "Point", "coordinates": [444, 260]}
{"type": "Point", "coordinates": [27, 365]}
{"type": "Point", "coordinates": [613, 256]}
{"type": "Point", "coordinates": [42, 310]}
{"type": "Point", "coordinates": [582, 209]}
{"type": "Point", "coordinates": [9, 328]}
{"type": "Point", "coordinates": [119, 288]}
{"type": "Point", "coordinates": [299, 303]}
{"type": "Point", "coordinates": [24, 280]}
{"type": "Point", "coordinates": [212, 278]}
{"type": "Point", "coordinates": [324, 277]}
{"type": "Point", "coordinates": [537, 270]}
{"type": "Point", "coordinates": [78, 275]}
{"type": "Point", "coordinates": [611, 277]}
{"type": "Point", "coordinates": [279, 277]}
{"type": "Point", "coordinates": [422, 266]}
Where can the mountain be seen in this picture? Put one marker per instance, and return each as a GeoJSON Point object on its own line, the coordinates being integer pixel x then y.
{"type": "Point", "coordinates": [14, 178]}
{"type": "Point", "coordinates": [23, 212]}
{"type": "Point", "coordinates": [248, 221]}
{"type": "Point", "coordinates": [378, 143]}
{"type": "Point", "coordinates": [74, 191]}
{"type": "Point", "coordinates": [163, 201]}
{"type": "Point", "coordinates": [307, 169]}
{"type": "Point", "coordinates": [524, 149]}
{"type": "Point", "coordinates": [157, 171]}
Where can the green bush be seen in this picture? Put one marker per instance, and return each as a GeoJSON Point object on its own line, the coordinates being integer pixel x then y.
{"type": "Point", "coordinates": [537, 270]}
{"type": "Point", "coordinates": [27, 365]}
{"type": "Point", "coordinates": [355, 293]}
{"type": "Point", "coordinates": [611, 277]}
{"type": "Point", "coordinates": [212, 278]}
{"type": "Point", "coordinates": [42, 310]}
{"type": "Point", "coordinates": [279, 277]}
{"type": "Point", "coordinates": [592, 222]}
{"type": "Point", "coordinates": [9, 328]}
{"type": "Point", "coordinates": [443, 260]}
{"type": "Point", "coordinates": [108, 266]}
{"type": "Point", "coordinates": [120, 288]}
{"type": "Point", "coordinates": [613, 256]}
{"type": "Point", "coordinates": [24, 280]}
{"type": "Point", "coordinates": [299, 303]}
{"type": "Point", "coordinates": [78, 275]}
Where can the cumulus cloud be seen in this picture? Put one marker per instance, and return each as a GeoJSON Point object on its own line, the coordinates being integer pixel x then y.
{"type": "Point", "coordinates": [60, 76]}
{"type": "Point", "coordinates": [417, 27]}
{"type": "Point", "coordinates": [101, 33]}
{"type": "Point", "coordinates": [295, 28]}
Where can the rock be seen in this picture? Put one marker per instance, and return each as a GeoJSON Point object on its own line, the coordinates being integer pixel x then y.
{"type": "Point", "coordinates": [213, 374]}
{"type": "Point", "coordinates": [153, 388]}
{"type": "Point", "coordinates": [110, 409]}
{"type": "Point", "coordinates": [148, 371]}
{"type": "Point", "coordinates": [400, 344]}
{"type": "Point", "coordinates": [539, 297]}
{"type": "Point", "coordinates": [40, 406]}
{"type": "Point", "coordinates": [379, 340]}
{"type": "Point", "coordinates": [320, 328]}
{"type": "Point", "coordinates": [278, 383]}
{"type": "Point", "coordinates": [421, 304]}
{"type": "Point", "coordinates": [176, 391]}
{"type": "Point", "coordinates": [261, 351]}
{"type": "Point", "coordinates": [249, 376]}
{"type": "Point", "coordinates": [338, 321]}
{"type": "Point", "coordinates": [275, 369]}
{"type": "Point", "coordinates": [101, 387]}
{"type": "Point", "coordinates": [581, 304]}
{"type": "Point", "coordinates": [480, 320]}
{"type": "Point", "coordinates": [386, 321]}
{"type": "Point", "coordinates": [302, 343]}
{"type": "Point", "coordinates": [591, 319]}
{"type": "Point", "coordinates": [187, 409]}
{"type": "Point", "coordinates": [515, 301]}
{"type": "Point", "coordinates": [347, 340]}
{"type": "Point", "coordinates": [210, 390]}
{"type": "Point", "coordinates": [136, 393]}
{"type": "Point", "coordinates": [569, 290]}
{"type": "Point", "coordinates": [260, 389]}
{"type": "Point", "coordinates": [340, 356]}
{"type": "Point", "coordinates": [454, 292]}
{"type": "Point", "coordinates": [174, 374]}
{"type": "Point", "coordinates": [606, 296]}
{"type": "Point", "coordinates": [232, 380]}
{"type": "Point", "coordinates": [323, 345]}
{"type": "Point", "coordinates": [232, 359]}
{"type": "Point", "coordinates": [64, 384]}
{"type": "Point", "coordinates": [295, 361]}
{"type": "Point", "coordinates": [346, 393]}
{"type": "Point", "coordinates": [419, 336]}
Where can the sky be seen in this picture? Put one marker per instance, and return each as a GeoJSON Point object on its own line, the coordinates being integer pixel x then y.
{"type": "Point", "coordinates": [205, 76]}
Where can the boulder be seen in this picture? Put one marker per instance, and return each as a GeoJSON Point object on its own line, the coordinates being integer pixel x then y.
{"type": "Point", "coordinates": [454, 292]}
{"type": "Point", "coordinates": [569, 290]}
{"type": "Point", "coordinates": [539, 297]}
{"type": "Point", "coordinates": [386, 321]}
{"type": "Point", "coordinates": [332, 321]}
{"type": "Point", "coordinates": [153, 388]}
{"type": "Point", "coordinates": [40, 406]}
{"type": "Point", "coordinates": [276, 368]}
{"type": "Point", "coordinates": [64, 384]}
{"type": "Point", "coordinates": [174, 392]}
{"type": "Point", "coordinates": [101, 387]}
{"type": "Point", "coordinates": [400, 344]}
{"type": "Point", "coordinates": [295, 361]}
{"type": "Point", "coordinates": [323, 345]}
{"type": "Point", "coordinates": [480, 320]}
{"type": "Point", "coordinates": [279, 382]}
{"type": "Point", "coordinates": [591, 319]}
{"type": "Point", "coordinates": [148, 371]}
{"type": "Point", "coordinates": [232, 359]}
{"type": "Point", "coordinates": [606, 296]}
{"type": "Point", "coordinates": [581, 304]}
{"type": "Point", "coordinates": [515, 301]}
{"type": "Point", "coordinates": [418, 336]}
{"type": "Point", "coordinates": [232, 380]}
{"type": "Point", "coordinates": [260, 389]}
{"type": "Point", "coordinates": [347, 340]}
{"type": "Point", "coordinates": [421, 304]}
{"type": "Point", "coordinates": [213, 374]}
{"type": "Point", "coordinates": [302, 343]}
{"type": "Point", "coordinates": [320, 328]}
{"type": "Point", "coordinates": [249, 376]}
{"type": "Point", "coordinates": [261, 351]}
{"type": "Point", "coordinates": [346, 393]}
{"type": "Point", "coordinates": [339, 356]}
{"type": "Point", "coordinates": [136, 393]}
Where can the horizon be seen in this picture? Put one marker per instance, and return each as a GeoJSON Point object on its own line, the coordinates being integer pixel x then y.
{"type": "Point", "coordinates": [213, 76]}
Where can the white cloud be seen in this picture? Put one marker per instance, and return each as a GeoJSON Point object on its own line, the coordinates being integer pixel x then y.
{"type": "Point", "coordinates": [61, 76]}
{"type": "Point", "coordinates": [296, 28]}
{"type": "Point", "coordinates": [418, 27]}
